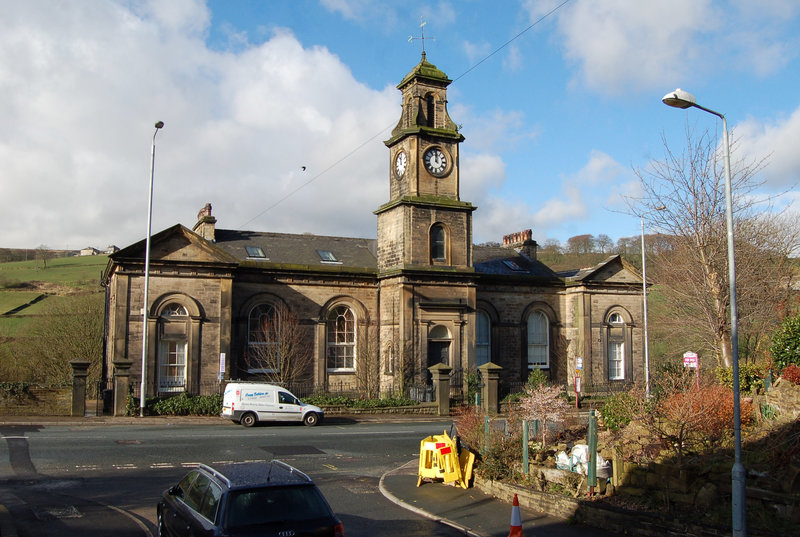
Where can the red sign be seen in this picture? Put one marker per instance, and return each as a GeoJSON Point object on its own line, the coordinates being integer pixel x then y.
{"type": "Point", "coordinates": [577, 384]}
{"type": "Point", "coordinates": [690, 359]}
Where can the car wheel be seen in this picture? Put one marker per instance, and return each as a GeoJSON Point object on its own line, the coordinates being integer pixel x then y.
{"type": "Point", "coordinates": [311, 419]}
{"type": "Point", "coordinates": [249, 419]}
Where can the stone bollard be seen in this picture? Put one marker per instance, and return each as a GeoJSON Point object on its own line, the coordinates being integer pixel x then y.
{"type": "Point", "coordinates": [80, 369]}
{"type": "Point", "coordinates": [441, 381]}
{"type": "Point", "coordinates": [490, 377]}
{"type": "Point", "coordinates": [122, 374]}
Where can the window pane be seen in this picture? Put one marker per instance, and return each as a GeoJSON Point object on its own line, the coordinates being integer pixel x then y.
{"type": "Point", "coordinates": [341, 338]}
{"type": "Point", "coordinates": [538, 340]}
{"type": "Point", "coordinates": [275, 504]}
{"type": "Point", "coordinates": [172, 366]}
{"type": "Point", "coordinates": [616, 360]}
{"type": "Point", "coordinates": [438, 242]}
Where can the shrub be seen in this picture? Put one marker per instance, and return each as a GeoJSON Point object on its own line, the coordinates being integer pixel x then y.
{"type": "Point", "coordinates": [322, 399]}
{"type": "Point", "coordinates": [621, 408]}
{"type": "Point", "coordinates": [177, 405]}
{"type": "Point", "coordinates": [750, 377]}
{"type": "Point", "coordinates": [698, 419]}
{"type": "Point", "coordinates": [791, 373]}
{"type": "Point", "coordinates": [785, 345]}
{"type": "Point", "coordinates": [470, 427]}
{"type": "Point", "coordinates": [536, 378]}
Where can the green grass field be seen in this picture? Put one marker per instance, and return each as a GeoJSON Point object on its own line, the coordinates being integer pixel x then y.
{"type": "Point", "coordinates": [23, 281]}
{"type": "Point", "coordinates": [79, 272]}
{"type": "Point", "coordinates": [10, 300]}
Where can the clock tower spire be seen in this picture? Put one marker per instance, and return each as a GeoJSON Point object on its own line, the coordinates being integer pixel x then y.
{"type": "Point", "coordinates": [425, 224]}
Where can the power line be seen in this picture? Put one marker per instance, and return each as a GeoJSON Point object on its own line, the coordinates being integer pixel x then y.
{"type": "Point", "coordinates": [377, 134]}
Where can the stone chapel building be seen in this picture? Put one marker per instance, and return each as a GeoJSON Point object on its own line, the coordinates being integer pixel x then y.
{"type": "Point", "coordinates": [378, 310]}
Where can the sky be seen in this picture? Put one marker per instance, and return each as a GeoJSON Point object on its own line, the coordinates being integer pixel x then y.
{"type": "Point", "coordinates": [275, 112]}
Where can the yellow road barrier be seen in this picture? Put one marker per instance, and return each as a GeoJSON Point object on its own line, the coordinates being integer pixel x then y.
{"type": "Point", "coordinates": [439, 459]}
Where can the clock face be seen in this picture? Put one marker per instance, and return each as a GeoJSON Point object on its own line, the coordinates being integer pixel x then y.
{"type": "Point", "coordinates": [400, 163]}
{"type": "Point", "coordinates": [435, 161]}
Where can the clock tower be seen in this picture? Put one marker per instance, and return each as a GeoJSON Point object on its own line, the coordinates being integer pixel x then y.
{"type": "Point", "coordinates": [424, 224]}
{"type": "Point", "coordinates": [426, 279]}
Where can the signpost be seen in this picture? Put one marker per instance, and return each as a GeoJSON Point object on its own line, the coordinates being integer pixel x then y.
{"type": "Point", "coordinates": [691, 360]}
{"type": "Point", "coordinates": [578, 369]}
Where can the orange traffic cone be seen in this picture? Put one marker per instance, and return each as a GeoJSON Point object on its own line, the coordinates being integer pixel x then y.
{"type": "Point", "coordinates": [516, 519]}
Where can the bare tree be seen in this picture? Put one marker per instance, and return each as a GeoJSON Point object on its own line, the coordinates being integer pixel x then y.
{"type": "Point", "coordinates": [551, 246]}
{"type": "Point", "coordinates": [603, 243]}
{"type": "Point", "coordinates": [368, 366]}
{"type": "Point", "coordinates": [44, 253]}
{"type": "Point", "coordinates": [279, 347]}
{"type": "Point", "coordinates": [580, 244]}
{"type": "Point", "coordinates": [684, 198]}
{"type": "Point", "coordinates": [544, 403]}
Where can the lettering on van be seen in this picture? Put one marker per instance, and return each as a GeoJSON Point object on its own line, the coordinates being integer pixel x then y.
{"type": "Point", "coordinates": [256, 394]}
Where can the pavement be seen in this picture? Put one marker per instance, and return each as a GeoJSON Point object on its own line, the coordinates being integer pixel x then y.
{"type": "Point", "coordinates": [35, 510]}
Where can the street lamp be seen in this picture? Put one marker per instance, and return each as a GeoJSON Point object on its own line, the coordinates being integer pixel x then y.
{"type": "Point", "coordinates": [683, 99]}
{"type": "Point", "coordinates": [143, 386]}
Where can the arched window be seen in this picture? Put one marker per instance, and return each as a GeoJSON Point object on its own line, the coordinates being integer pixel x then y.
{"type": "Point", "coordinates": [538, 331]}
{"type": "Point", "coordinates": [483, 338]}
{"type": "Point", "coordinates": [430, 109]}
{"type": "Point", "coordinates": [438, 243]}
{"type": "Point", "coordinates": [172, 347]}
{"type": "Point", "coordinates": [341, 339]}
{"type": "Point", "coordinates": [616, 347]}
{"type": "Point", "coordinates": [263, 339]}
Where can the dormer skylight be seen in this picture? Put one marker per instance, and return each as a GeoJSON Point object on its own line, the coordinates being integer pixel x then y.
{"type": "Point", "coordinates": [513, 265]}
{"type": "Point", "coordinates": [328, 257]}
{"type": "Point", "coordinates": [255, 252]}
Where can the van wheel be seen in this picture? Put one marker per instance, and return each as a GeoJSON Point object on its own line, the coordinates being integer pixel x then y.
{"type": "Point", "coordinates": [249, 419]}
{"type": "Point", "coordinates": [311, 419]}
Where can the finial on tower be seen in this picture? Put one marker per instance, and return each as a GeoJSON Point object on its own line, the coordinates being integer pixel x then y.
{"type": "Point", "coordinates": [422, 37]}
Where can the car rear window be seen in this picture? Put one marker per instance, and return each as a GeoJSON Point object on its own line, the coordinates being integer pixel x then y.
{"type": "Point", "coordinates": [275, 504]}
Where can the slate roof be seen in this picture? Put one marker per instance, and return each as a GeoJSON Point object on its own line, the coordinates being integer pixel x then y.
{"type": "Point", "coordinates": [299, 249]}
{"type": "Point", "coordinates": [498, 260]}
{"type": "Point", "coordinates": [584, 273]}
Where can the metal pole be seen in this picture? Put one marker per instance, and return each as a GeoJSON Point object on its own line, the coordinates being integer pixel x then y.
{"type": "Point", "coordinates": [644, 304]}
{"type": "Point", "coordinates": [145, 306]}
{"type": "Point", "coordinates": [739, 499]}
{"type": "Point", "coordinates": [525, 463]}
{"type": "Point", "coordinates": [683, 100]}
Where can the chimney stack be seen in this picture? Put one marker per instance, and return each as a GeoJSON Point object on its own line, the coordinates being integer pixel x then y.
{"type": "Point", "coordinates": [522, 242]}
{"type": "Point", "coordinates": [206, 224]}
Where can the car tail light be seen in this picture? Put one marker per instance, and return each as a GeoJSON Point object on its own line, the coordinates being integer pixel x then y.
{"type": "Point", "coordinates": [338, 530]}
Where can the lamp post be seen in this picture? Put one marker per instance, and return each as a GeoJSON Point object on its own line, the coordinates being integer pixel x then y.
{"type": "Point", "coordinates": [143, 387]}
{"type": "Point", "coordinates": [644, 304]}
{"type": "Point", "coordinates": [683, 99]}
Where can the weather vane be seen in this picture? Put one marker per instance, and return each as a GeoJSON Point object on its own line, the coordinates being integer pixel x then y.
{"type": "Point", "coordinates": [422, 37]}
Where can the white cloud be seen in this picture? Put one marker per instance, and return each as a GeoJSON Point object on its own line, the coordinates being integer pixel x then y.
{"type": "Point", "coordinates": [778, 140]}
{"type": "Point", "coordinates": [82, 84]}
{"type": "Point", "coordinates": [621, 45]}
{"type": "Point", "coordinates": [475, 52]}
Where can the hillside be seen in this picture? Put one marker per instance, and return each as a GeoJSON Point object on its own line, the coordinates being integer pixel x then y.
{"type": "Point", "coordinates": [27, 289]}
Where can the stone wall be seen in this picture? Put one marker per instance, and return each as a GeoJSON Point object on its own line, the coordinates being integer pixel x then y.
{"type": "Point", "coordinates": [593, 514]}
{"type": "Point", "coordinates": [784, 397]}
{"type": "Point", "coordinates": [36, 401]}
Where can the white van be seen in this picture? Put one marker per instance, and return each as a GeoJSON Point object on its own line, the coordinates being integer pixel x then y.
{"type": "Point", "coordinates": [249, 402]}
